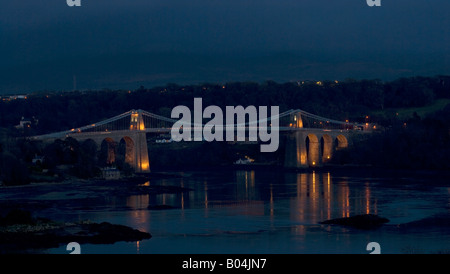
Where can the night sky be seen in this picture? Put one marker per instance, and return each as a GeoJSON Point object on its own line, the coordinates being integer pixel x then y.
{"type": "Point", "coordinates": [125, 44]}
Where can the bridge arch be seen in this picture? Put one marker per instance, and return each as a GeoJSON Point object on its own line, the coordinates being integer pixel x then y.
{"type": "Point", "coordinates": [341, 142]}
{"type": "Point", "coordinates": [126, 151]}
{"type": "Point", "coordinates": [326, 145]}
{"type": "Point", "coordinates": [108, 151]}
{"type": "Point", "coordinates": [313, 149]}
{"type": "Point", "coordinates": [90, 146]}
{"type": "Point", "coordinates": [89, 142]}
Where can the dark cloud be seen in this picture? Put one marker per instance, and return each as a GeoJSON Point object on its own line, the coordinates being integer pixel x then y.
{"type": "Point", "coordinates": [120, 43]}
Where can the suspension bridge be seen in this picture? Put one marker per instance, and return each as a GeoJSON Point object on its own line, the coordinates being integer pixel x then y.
{"type": "Point", "coordinates": [310, 139]}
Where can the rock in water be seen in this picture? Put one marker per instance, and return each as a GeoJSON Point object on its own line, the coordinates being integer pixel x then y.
{"type": "Point", "coordinates": [17, 216]}
{"type": "Point", "coordinates": [106, 233]}
{"type": "Point", "coordinates": [366, 221]}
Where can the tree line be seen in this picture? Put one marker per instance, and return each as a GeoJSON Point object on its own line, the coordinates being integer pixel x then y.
{"type": "Point", "coordinates": [415, 142]}
{"type": "Point", "coordinates": [350, 99]}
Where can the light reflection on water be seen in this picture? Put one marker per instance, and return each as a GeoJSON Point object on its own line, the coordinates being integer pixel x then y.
{"type": "Point", "coordinates": [268, 212]}
{"type": "Point", "coordinates": [313, 197]}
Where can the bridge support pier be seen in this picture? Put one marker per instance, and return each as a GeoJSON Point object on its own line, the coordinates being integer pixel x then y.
{"type": "Point", "coordinates": [141, 161]}
{"type": "Point", "coordinates": [314, 151]}
{"type": "Point", "coordinates": [301, 153]}
{"type": "Point", "coordinates": [296, 154]}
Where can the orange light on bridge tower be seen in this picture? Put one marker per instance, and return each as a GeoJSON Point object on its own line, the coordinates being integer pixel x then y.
{"type": "Point", "coordinates": [298, 120]}
{"type": "Point", "coordinates": [144, 166]}
{"type": "Point", "coordinates": [134, 120]}
{"type": "Point", "coordinates": [137, 122]}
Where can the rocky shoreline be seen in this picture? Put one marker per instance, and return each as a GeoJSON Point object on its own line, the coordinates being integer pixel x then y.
{"type": "Point", "coordinates": [26, 228]}
{"type": "Point", "coordinates": [19, 232]}
{"type": "Point", "coordinates": [366, 221]}
{"type": "Point", "coordinates": [76, 194]}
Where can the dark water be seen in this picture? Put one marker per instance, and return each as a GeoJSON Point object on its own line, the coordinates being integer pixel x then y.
{"type": "Point", "coordinates": [261, 211]}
